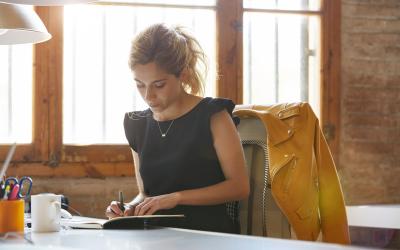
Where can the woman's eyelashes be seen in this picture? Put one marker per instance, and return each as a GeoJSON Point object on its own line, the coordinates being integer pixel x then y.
{"type": "Point", "coordinates": [139, 85]}
{"type": "Point", "coordinates": [159, 84]}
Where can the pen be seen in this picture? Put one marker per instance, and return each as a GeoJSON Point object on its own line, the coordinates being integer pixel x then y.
{"type": "Point", "coordinates": [121, 201]}
{"type": "Point", "coordinates": [2, 190]}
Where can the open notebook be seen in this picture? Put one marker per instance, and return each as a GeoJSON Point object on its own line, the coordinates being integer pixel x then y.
{"type": "Point", "coordinates": [127, 222]}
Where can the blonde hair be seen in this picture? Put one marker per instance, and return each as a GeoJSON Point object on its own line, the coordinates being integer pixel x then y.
{"type": "Point", "coordinates": [173, 49]}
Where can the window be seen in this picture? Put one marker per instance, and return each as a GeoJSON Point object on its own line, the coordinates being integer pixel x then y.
{"type": "Point", "coordinates": [281, 52]}
{"type": "Point", "coordinates": [286, 50]}
{"type": "Point", "coordinates": [16, 93]}
{"type": "Point", "coordinates": [96, 48]}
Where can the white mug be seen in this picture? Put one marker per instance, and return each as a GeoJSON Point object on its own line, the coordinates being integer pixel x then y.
{"type": "Point", "coordinates": [45, 212]}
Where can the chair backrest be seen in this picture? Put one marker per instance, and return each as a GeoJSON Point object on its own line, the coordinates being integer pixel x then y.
{"type": "Point", "coordinates": [259, 214]}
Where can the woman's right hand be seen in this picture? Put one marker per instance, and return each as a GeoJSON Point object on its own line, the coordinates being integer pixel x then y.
{"type": "Point", "coordinates": [113, 210]}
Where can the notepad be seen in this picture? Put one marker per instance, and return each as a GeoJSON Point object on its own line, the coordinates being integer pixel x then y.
{"type": "Point", "coordinates": [127, 222]}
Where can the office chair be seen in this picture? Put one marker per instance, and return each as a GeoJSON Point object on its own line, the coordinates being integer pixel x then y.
{"type": "Point", "coordinates": [259, 215]}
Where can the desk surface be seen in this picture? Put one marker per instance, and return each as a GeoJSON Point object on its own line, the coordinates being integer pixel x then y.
{"type": "Point", "coordinates": [160, 238]}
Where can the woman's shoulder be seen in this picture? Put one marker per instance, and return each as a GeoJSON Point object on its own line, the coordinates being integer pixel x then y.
{"type": "Point", "coordinates": [218, 104]}
{"type": "Point", "coordinates": [136, 118]}
{"type": "Point", "coordinates": [215, 105]}
{"type": "Point", "coordinates": [137, 115]}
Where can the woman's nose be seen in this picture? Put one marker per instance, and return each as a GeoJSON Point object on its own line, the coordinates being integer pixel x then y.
{"type": "Point", "coordinates": [148, 95]}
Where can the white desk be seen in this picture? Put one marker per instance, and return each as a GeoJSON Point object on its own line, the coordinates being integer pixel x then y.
{"type": "Point", "coordinates": [377, 216]}
{"type": "Point", "coordinates": [154, 239]}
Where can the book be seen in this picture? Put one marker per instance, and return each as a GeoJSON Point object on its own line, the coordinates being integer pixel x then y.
{"type": "Point", "coordinates": [127, 222]}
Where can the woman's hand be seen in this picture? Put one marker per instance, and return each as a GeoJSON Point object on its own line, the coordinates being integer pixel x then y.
{"type": "Point", "coordinates": [150, 205]}
{"type": "Point", "coordinates": [113, 210]}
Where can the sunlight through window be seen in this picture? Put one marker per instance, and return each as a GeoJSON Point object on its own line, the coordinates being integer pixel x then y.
{"type": "Point", "coordinates": [98, 85]}
{"type": "Point", "coordinates": [16, 94]}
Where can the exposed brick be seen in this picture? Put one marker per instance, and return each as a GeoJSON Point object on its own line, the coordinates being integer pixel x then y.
{"type": "Point", "coordinates": [372, 2]}
{"type": "Point", "coordinates": [369, 148]}
{"type": "Point", "coordinates": [351, 158]}
{"type": "Point", "coordinates": [363, 25]}
{"type": "Point", "coordinates": [372, 46]}
{"type": "Point", "coordinates": [371, 79]}
{"type": "Point", "coordinates": [372, 120]}
{"type": "Point", "coordinates": [371, 106]}
{"type": "Point", "coordinates": [371, 11]}
{"type": "Point", "coordinates": [396, 151]}
{"type": "Point", "coordinates": [381, 67]}
{"type": "Point", "coordinates": [390, 175]}
{"type": "Point", "coordinates": [365, 193]}
{"type": "Point", "coordinates": [357, 133]}
{"type": "Point", "coordinates": [375, 94]}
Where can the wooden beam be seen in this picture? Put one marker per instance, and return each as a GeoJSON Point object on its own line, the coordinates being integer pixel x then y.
{"type": "Point", "coordinates": [85, 169]}
{"type": "Point", "coordinates": [331, 68]}
{"type": "Point", "coordinates": [23, 153]}
{"type": "Point", "coordinates": [40, 95]}
{"type": "Point", "coordinates": [96, 153]}
{"type": "Point", "coordinates": [229, 49]}
{"type": "Point", "coordinates": [49, 78]}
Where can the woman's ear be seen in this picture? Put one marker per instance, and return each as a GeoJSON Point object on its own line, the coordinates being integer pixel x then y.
{"type": "Point", "coordinates": [184, 76]}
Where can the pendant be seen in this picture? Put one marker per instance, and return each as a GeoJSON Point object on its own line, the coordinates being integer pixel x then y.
{"type": "Point", "coordinates": [163, 135]}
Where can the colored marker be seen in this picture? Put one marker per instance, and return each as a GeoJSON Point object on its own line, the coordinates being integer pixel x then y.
{"type": "Point", "coordinates": [14, 193]}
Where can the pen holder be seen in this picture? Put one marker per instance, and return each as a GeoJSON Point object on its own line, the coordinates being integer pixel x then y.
{"type": "Point", "coordinates": [11, 216]}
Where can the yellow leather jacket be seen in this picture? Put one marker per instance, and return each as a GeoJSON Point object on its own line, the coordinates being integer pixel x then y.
{"type": "Point", "coordinates": [304, 180]}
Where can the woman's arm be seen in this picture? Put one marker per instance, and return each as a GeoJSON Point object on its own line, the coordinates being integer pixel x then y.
{"type": "Point", "coordinates": [141, 195]}
{"type": "Point", "coordinates": [230, 154]}
{"type": "Point", "coordinates": [231, 157]}
{"type": "Point", "coordinates": [113, 209]}
{"type": "Point", "coordinates": [139, 180]}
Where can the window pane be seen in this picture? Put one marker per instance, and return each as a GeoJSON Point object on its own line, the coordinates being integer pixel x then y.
{"type": "Point", "coordinates": [283, 4]}
{"type": "Point", "coordinates": [16, 93]}
{"type": "Point", "coordinates": [98, 85]}
{"type": "Point", "coordinates": [281, 59]}
{"type": "Point", "coordinates": [174, 2]}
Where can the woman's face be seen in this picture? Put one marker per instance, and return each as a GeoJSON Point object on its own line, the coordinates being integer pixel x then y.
{"type": "Point", "coordinates": [158, 88]}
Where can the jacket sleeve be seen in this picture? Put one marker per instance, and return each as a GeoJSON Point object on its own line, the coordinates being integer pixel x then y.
{"type": "Point", "coordinates": [332, 208]}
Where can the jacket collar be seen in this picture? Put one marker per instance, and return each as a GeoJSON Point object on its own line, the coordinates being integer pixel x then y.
{"type": "Point", "coordinates": [277, 130]}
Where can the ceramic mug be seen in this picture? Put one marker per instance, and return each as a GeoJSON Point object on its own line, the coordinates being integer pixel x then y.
{"type": "Point", "coordinates": [45, 212]}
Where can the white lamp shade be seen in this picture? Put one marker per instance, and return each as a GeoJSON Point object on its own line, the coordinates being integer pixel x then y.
{"type": "Point", "coordinates": [20, 24]}
{"type": "Point", "coordinates": [47, 2]}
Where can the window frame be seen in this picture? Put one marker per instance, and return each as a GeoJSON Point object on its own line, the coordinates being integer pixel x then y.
{"type": "Point", "coordinates": [47, 156]}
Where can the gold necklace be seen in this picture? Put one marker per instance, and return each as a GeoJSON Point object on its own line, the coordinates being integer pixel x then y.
{"type": "Point", "coordinates": [166, 132]}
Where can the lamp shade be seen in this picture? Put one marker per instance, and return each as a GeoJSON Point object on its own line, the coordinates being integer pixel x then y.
{"type": "Point", "coordinates": [46, 2]}
{"type": "Point", "coordinates": [20, 24]}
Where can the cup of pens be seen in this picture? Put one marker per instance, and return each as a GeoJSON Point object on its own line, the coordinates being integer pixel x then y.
{"type": "Point", "coordinates": [12, 203]}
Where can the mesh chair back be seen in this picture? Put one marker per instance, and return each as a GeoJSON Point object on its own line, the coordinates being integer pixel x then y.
{"type": "Point", "coordinates": [259, 214]}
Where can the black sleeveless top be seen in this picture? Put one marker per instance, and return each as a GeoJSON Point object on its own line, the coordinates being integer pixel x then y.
{"type": "Point", "coordinates": [184, 159]}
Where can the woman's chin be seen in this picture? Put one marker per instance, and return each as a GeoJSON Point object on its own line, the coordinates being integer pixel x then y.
{"type": "Point", "coordinates": [155, 108]}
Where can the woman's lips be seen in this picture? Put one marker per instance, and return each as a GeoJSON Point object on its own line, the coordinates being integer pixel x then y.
{"type": "Point", "coordinates": [153, 105]}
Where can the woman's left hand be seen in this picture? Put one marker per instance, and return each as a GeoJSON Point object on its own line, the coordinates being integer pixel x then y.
{"type": "Point", "coordinates": [150, 205]}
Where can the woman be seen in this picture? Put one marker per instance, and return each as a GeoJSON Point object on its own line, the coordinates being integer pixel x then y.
{"type": "Point", "coordinates": [187, 153]}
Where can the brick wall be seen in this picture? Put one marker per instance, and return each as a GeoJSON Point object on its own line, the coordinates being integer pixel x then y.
{"type": "Point", "coordinates": [370, 101]}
